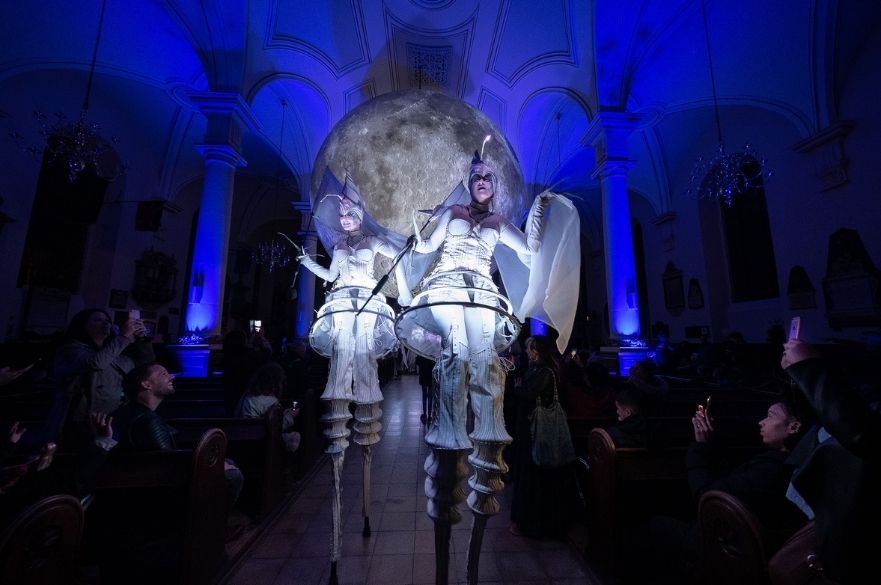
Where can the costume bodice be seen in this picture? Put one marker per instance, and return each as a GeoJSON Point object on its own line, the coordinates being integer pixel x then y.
{"type": "Point", "coordinates": [469, 244]}
{"type": "Point", "coordinates": [355, 265]}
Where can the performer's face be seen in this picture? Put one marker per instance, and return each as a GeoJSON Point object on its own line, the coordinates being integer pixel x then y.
{"type": "Point", "coordinates": [482, 188]}
{"type": "Point", "coordinates": [349, 220]}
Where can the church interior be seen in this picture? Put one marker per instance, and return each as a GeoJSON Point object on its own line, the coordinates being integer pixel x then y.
{"type": "Point", "coordinates": [164, 156]}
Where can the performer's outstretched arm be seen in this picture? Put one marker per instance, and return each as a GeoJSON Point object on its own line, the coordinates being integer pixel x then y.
{"type": "Point", "coordinates": [328, 274]}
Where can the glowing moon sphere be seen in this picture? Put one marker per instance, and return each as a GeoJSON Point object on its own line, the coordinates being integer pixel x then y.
{"type": "Point", "coordinates": [408, 150]}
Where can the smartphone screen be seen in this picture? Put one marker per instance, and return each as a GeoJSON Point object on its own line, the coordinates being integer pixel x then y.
{"type": "Point", "coordinates": [794, 327]}
{"type": "Point", "coordinates": [134, 314]}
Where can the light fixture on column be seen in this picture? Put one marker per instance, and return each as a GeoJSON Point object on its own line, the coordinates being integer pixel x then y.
{"type": "Point", "coordinates": [724, 175]}
{"type": "Point", "coordinates": [274, 254]}
{"type": "Point", "coordinates": [79, 144]}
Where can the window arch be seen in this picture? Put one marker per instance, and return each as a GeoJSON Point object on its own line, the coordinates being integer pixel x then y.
{"type": "Point", "coordinates": [752, 267]}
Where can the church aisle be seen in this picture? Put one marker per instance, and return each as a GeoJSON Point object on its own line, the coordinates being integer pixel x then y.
{"type": "Point", "coordinates": [295, 548]}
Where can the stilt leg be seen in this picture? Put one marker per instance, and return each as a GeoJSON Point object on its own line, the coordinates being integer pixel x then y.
{"type": "Point", "coordinates": [365, 505]}
{"type": "Point", "coordinates": [337, 434]}
{"type": "Point", "coordinates": [335, 546]}
{"type": "Point", "coordinates": [367, 427]}
{"type": "Point", "coordinates": [474, 546]}
{"type": "Point", "coordinates": [442, 531]}
{"type": "Point", "coordinates": [445, 470]}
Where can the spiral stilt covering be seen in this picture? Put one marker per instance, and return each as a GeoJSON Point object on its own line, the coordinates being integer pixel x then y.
{"type": "Point", "coordinates": [445, 470]}
{"type": "Point", "coordinates": [367, 425]}
{"type": "Point", "coordinates": [336, 429]}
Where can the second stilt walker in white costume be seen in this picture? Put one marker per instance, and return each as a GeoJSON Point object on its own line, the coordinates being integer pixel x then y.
{"type": "Point", "coordinates": [353, 328]}
{"type": "Point", "coordinates": [458, 318]}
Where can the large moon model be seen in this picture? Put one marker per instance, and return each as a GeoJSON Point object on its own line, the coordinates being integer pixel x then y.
{"type": "Point", "coordinates": [408, 150]}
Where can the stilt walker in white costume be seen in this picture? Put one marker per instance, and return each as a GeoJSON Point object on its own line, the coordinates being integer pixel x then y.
{"type": "Point", "coordinates": [353, 328]}
{"type": "Point", "coordinates": [458, 318]}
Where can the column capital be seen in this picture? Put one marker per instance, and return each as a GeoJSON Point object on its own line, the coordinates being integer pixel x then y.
{"type": "Point", "coordinates": [219, 103]}
{"type": "Point", "coordinates": [612, 168]}
{"type": "Point", "coordinates": [608, 135]}
{"type": "Point", "coordinates": [228, 115]}
{"type": "Point", "coordinates": [606, 121]}
{"type": "Point", "coordinates": [224, 153]}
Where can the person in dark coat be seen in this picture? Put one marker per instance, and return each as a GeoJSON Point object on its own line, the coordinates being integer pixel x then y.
{"type": "Point", "coordinates": [543, 500]}
{"type": "Point", "coordinates": [671, 547]}
{"type": "Point", "coordinates": [837, 480]}
{"type": "Point", "coordinates": [425, 369]}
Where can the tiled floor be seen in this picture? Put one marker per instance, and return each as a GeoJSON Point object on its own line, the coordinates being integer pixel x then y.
{"type": "Point", "coordinates": [295, 549]}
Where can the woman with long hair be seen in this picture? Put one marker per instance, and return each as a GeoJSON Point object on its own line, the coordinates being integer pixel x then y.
{"type": "Point", "coordinates": [89, 367]}
{"type": "Point", "coordinates": [542, 498]}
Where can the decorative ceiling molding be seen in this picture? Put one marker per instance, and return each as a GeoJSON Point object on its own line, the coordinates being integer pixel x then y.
{"type": "Point", "coordinates": [445, 52]}
{"type": "Point", "coordinates": [508, 39]}
{"type": "Point", "coordinates": [494, 107]}
{"type": "Point", "coordinates": [359, 94]}
{"type": "Point", "coordinates": [322, 39]}
{"type": "Point", "coordinates": [432, 4]}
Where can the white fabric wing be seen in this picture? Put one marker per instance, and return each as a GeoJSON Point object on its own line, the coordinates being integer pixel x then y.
{"type": "Point", "coordinates": [545, 286]}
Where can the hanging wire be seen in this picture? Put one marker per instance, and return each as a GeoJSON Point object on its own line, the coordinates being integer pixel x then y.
{"type": "Point", "coordinates": [712, 71]}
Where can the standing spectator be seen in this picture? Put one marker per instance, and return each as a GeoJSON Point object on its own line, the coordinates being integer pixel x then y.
{"type": "Point", "coordinates": [838, 475]}
{"type": "Point", "coordinates": [89, 368]}
{"type": "Point", "coordinates": [543, 499]}
{"type": "Point", "coordinates": [425, 367]}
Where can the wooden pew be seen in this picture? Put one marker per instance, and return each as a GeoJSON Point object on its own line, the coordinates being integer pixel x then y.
{"type": "Point", "coordinates": [256, 446]}
{"type": "Point", "coordinates": [41, 546]}
{"type": "Point", "coordinates": [624, 486]}
{"type": "Point", "coordinates": [733, 542]}
{"type": "Point", "coordinates": [185, 485]}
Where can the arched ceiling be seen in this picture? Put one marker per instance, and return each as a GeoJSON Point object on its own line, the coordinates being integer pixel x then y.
{"type": "Point", "coordinates": [539, 70]}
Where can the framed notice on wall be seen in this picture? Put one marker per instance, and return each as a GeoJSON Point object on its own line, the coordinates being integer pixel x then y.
{"type": "Point", "coordinates": [674, 293]}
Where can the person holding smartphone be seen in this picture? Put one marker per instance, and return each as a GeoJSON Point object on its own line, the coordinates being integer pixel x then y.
{"type": "Point", "coordinates": [837, 475]}
{"type": "Point", "coordinates": [89, 367]}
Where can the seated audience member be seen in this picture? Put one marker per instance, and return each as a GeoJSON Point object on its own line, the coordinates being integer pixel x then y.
{"type": "Point", "coordinates": [632, 428]}
{"type": "Point", "coordinates": [588, 392]}
{"type": "Point", "coordinates": [662, 353]}
{"type": "Point", "coordinates": [240, 361]}
{"type": "Point", "coordinates": [296, 366]}
{"type": "Point", "coordinates": [838, 467]}
{"type": "Point", "coordinates": [761, 482]}
{"type": "Point", "coordinates": [643, 376]}
{"type": "Point", "coordinates": [33, 476]}
{"type": "Point", "coordinates": [673, 546]}
{"type": "Point", "coordinates": [264, 389]}
{"type": "Point", "coordinates": [140, 428]}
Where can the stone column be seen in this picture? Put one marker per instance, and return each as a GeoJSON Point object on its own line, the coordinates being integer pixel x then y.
{"type": "Point", "coordinates": [228, 116]}
{"type": "Point", "coordinates": [306, 289]}
{"type": "Point", "coordinates": [305, 279]}
{"type": "Point", "coordinates": [608, 134]}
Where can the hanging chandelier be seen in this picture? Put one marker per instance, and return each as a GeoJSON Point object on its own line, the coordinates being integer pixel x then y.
{"type": "Point", "coordinates": [724, 175]}
{"type": "Point", "coordinates": [78, 145]}
{"type": "Point", "coordinates": [273, 254]}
